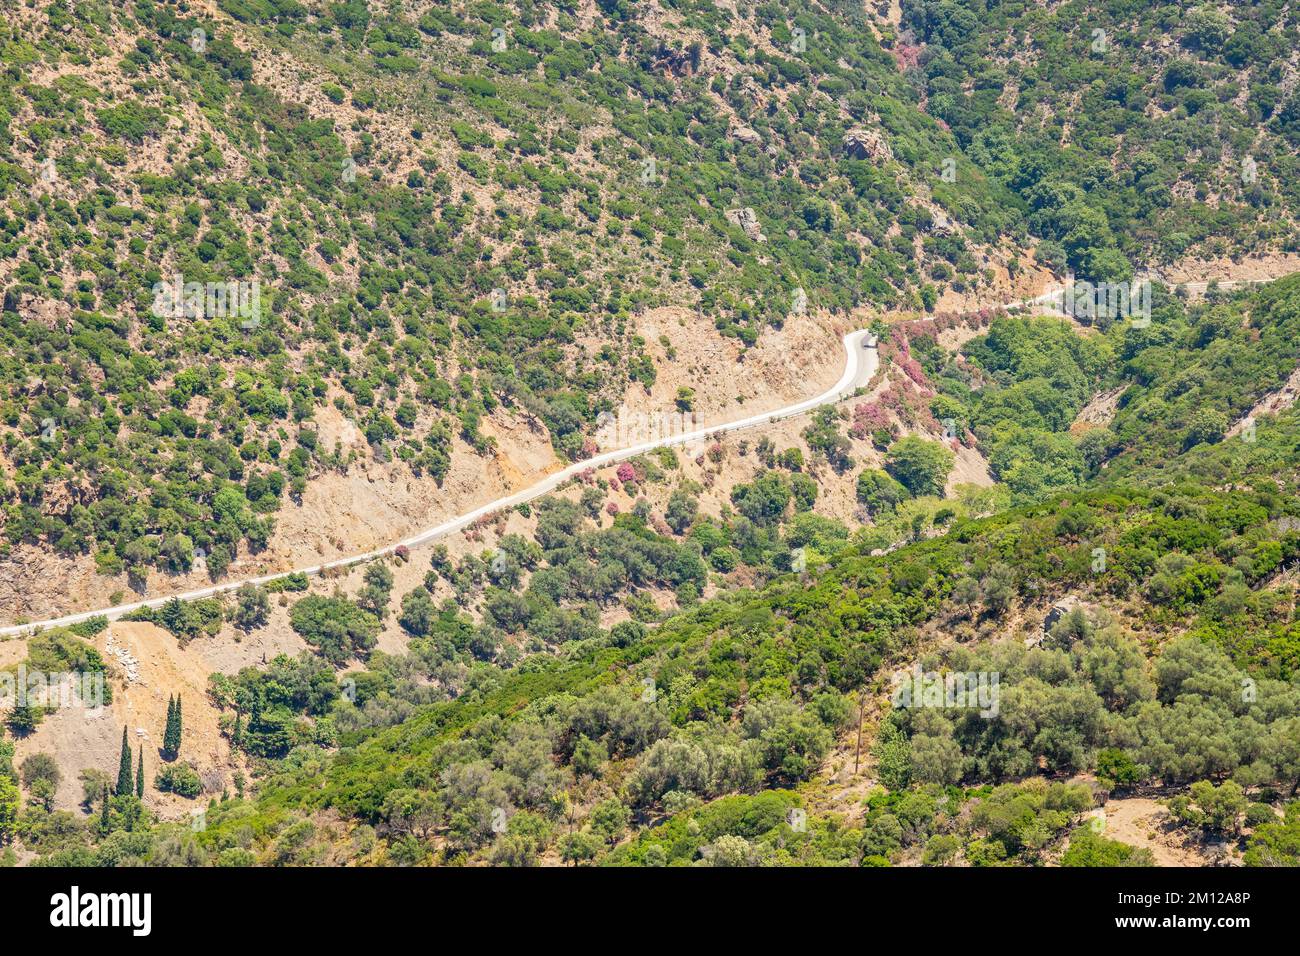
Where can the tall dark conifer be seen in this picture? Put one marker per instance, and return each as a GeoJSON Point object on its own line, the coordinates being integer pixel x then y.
{"type": "Point", "coordinates": [171, 733]}
{"type": "Point", "coordinates": [139, 775]}
{"type": "Point", "coordinates": [124, 768]}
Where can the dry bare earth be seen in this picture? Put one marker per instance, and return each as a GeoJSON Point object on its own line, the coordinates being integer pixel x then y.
{"type": "Point", "coordinates": [78, 738]}
{"type": "Point", "coordinates": [1196, 274]}
{"type": "Point", "coordinates": [1144, 823]}
{"type": "Point", "coordinates": [803, 357]}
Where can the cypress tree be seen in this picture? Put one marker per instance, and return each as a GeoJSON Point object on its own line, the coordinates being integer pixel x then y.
{"type": "Point", "coordinates": [180, 726]}
{"type": "Point", "coordinates": [103, 813]}
{"type": "Point", "coordinates": [139, 775]}
{"type": "Point", "coordinates": [171, 741]}
{"type": "Point", "coordinates": [124, 768]}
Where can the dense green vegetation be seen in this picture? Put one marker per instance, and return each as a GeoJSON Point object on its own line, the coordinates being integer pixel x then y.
{"type": "Point", "coordinates": [748, 691]}
{"type": "Point", "coordinates": [1178, 385]}
{"type": "Point", "coordinates": [669, 684]}
{"type": "Point", "coordinates": [1121, 147]}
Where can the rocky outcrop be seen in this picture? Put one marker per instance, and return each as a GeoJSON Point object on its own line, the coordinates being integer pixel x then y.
{"type": "Point", "coordinates": [867, 144]}
{"type": "Point", "coordinates": [942, 224]}
{"type": "Point", "coordinates": [747, 220]}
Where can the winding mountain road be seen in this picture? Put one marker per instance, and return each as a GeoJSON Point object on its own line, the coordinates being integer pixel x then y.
{"type": "Point", "coordinates": [861, 362]}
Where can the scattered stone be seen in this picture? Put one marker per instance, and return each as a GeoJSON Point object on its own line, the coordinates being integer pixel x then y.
{"type": "Point", "coordinates": [130, 665]}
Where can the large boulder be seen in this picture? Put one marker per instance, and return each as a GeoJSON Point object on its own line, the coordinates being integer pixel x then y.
{"type": "Point", "coordinates": [747, 220]}
{"type": "Point", "coordinates": [867, 144]}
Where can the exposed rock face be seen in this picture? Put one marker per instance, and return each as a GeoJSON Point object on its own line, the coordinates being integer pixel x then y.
{"type": "Point", "coordinates": [51, 313]}
{"type": "Point", "coordinates": [751, 137]}
{"type": "Point", "coordinates": [1058, 610]}
{"type": "Point", "coordinates": [747, 220]}
{"type": "Point", "coordinates": [867, 144]}
{"type": "Point", "coordinates": [942, 224]}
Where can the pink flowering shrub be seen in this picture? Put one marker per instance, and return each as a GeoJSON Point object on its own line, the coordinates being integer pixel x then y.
{"type": "Point", "coordinates": [912, 369]}
{"type": "Point", "coordinates": [910, 406]}
{"type": "Point", "coordinates": [867, 418]}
